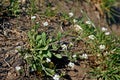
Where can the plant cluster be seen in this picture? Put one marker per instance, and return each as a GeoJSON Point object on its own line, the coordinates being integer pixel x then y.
{"type": "Point", "coordinates": [100, 44]}
{"type": "Point", "coordinates": [10, 7]}
{"type": "Point", "coordinates": [39, 54]}
{"type": "Point", "coordinates": [41, 51]}
{"type": "Point", "coordinates": [103, 49]}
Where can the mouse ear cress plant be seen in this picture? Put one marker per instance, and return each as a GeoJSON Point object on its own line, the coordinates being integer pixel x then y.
{"type": "Point", "coordinates": [39, 53]}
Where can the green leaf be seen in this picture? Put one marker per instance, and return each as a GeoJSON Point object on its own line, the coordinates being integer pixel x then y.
{"type": "Point", "coordinates": [58, 35]}
{"type": "Point", "coordinates": [49, 40]}
{"type": "Point", "coordinates": [29, 34]}
{"type": "Point", "coordinates": [117, 77]}
{"type": "Point", "coordinates": [54, 47]}
{"type": "Point", "coordinates": [58, 55]}
{"type": "Point", "coordinates": [50, 72]}
{"type": "Point", "coordinates": [49, 54]}
{"type": "Point", "coordinates": [35, 58]}
{"type": "Point", "coordinates": [39, 44]}
{"type": "Point", "coordinates": [34, 67]}
{"type": "Point", "coordinates": [43, 48]}
{"type": "Point", "coordinates": [44, 55]}
{"type": "Point", "coordinates": [44, 38]}
{"type": "Point", "coordinates": [40, 55]}
{"type": "Point", "coordinates": [38, 37]}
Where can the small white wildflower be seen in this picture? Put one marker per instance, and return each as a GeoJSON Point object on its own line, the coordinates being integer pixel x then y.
{"type": "Point", "coordinates": [48, 60]}
{"type": "Point", "coordinates": [107, 33]}
{"type": "Point", "coordinates": [74, 56]}
{"type": "Point", "coordinates": [91, 37]}
{"type": "Point", "coordinates": [71, 14]}
{"type": "Point", "coordinates": [102, 47]}
{"type": "Point", "coordinates": [56, 77]}
{"type": "Point", "coordinates": [88, 22]}
{"type": "Point", "coordinates": [77, 28]}
{"type": "Point", "coordinates": [85, 56]}
{"type": "Point", "coordinates": [74, 20]}
{"type": "Point", "coordinates": [104, 29]}
{"type": "Point", "coordinates": [71, 65]}
{"type": "Point", "coordinates": [18, 47]}
{"type": "Point", "coordinates": [37, 22]}
{"type": "Point", "coordinates": [33, 17]}
{"type": "Point", "coordinates": [64, 47]}
{"type": "Point", "coordinates": [17, 68]}
{"type": "Point", "coordinates": [45, 23]}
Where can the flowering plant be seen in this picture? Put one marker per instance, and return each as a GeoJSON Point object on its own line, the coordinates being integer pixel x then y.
{"type": "Point", "coordinates": [39, 53]}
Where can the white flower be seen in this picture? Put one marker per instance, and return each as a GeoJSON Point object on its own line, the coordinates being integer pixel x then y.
{"type": "Point", "coordinates": [74, 20]}
{"type": "Point", "coordinates": [45, 23]}
{"type": "Point", "coordinates": [102, 47]}
{"type": "Point", "coordinates": [71, 65]}
{"type": "Point", "coordinates": [71, 14]}
{"type": "Point", "coordinates": [77, 28]}
{"type": "Point", "coordinates": [107, 33]}
{"type": "Point", "coordinates": [64, 47]}
{"type": "Point", "coordinates": [56, 77]}
{"type": "Point", "coordinates": [37, 22]}
{"type": "Point", "coordinates": [104, 29]}
{"type": "Point", "coordinates": [17, 68]}
{"type": "Point", "coordinates": [33, 17]}
{"type": "Point", "coordinates": [91, 37]}
{"type": "Point", "coordinates": [74, 56]}
{"type": "Point", "coordinates": [48, 60]}
{"type": "Point", "coordinates": [18, 47]}
{"type": "Point", "coordinates": [85, 56]}
{"type": "Point", "coordinates": [88, 22]}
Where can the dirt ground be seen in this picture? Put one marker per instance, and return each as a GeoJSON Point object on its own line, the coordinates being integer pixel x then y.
{"type": "Point", "coordinates": [13, 34]}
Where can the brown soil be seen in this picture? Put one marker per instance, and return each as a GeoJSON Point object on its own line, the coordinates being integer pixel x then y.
{"type": "Point", "coordinates": [15, 34]}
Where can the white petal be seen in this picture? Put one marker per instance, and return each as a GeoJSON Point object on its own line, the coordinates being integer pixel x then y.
{"type": "Point", "coordinates": [33, 17]}
{"type": "Point", "coordinates": [88, 22]}
{"type": "Point", "coordinates": [74, 20]}
{"type": "Point", "coordinates": [107, 33]}
{"type": "Point", "coordinates": [56, 77]}
{"type": "Point", "coordinates": [104, 29]}
{"type": "Point", "coordinates": [48, 60]}
{"type": "Point", "coordinates": [77, 28]}
{"type": "Point", "coordinates": [45, 23]}
{"type": "Point", "coordinates": [91, 37]}
{"type": "Point", "coordinates": [64, 47]}
{"type": "Point", "coordinates": [102, 47]}
{"type": "Point", "coordinates": [71, 14]}
{"type": "Point", "coordinates": [85, 56]}
{"type": "Point", "coordinates": [71, 65]}
{"type": "Point", "coordinates": [17, 68]}
{"type": "Point", "coordinates": [74, 56]}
